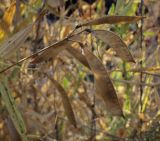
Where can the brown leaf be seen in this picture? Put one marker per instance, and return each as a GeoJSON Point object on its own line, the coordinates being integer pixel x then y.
{"type": "Point", "coordinates": [55, 3]}
{"type": "Point", "coordinates": [103, 84]}
{"type": "Point", "coordinates": [112, 20]}
{"type": "Point", "coordinates": [66, 103]}
{"type": "Point", "coordinates": [115, 42]}
{"type": "Point", "coordinates": [12, 44]}
{"type": "Point", "coordinates": [56, 49]}
{"type": "Point", "coordinates": [75, 52]}
{"type": "Point", "coordinates": [51, 52]}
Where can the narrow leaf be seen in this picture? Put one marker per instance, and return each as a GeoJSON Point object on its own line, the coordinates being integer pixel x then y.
{"type": "Point", "coordinates": [115, 42]}
{"type": "Point", "coordinates": [9, 14]}
{"type": "Point", "coordinates": [130, 8]}
{"type": "Point", "coordinates": [103, 84]}
{"type": "Point", "coordinates": [66, 103]}
{"type": "Point", "coordinates": [13, 110]}
{"type": "Point", "coordinates": [6, 21]}
{"type": "Point", "coordinates": [76, 53]}
{"type": "Point", "coordinates": [112, 20]}
{"type": "Point", "coordinates": [12, 44]}
{"type": "Point", "coordinates": [51, 52]}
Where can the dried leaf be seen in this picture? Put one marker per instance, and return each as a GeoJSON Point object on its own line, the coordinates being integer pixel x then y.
{"type": "Point", "coordinates": [103, 84]}
{"type": "Point", "coordinates": [56, 49]}
{"type": "Point", "coordinates": [12, 44]}
{"type": "Point", "coordinates": [112, 20]}
{"type": "Point", "coordinates": [51, 52]}
{"type": "Point", "coordinates": [78, 55]}
{"type": "Point", "coordinates": [115, 42]}
{"type": "Point", "coordinates": [66, 103]}
{"type": "Point", "coordinates": [55, 3]}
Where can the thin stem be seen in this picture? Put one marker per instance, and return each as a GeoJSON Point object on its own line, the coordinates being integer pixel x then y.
{"type": "Point", "coordinates": [40, 51]}
{"type": "Point", "coordinates": [141, 62]}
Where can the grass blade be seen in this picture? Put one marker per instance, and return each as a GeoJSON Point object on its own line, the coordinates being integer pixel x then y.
{"type": "Point", "coordinates": [13, 110]}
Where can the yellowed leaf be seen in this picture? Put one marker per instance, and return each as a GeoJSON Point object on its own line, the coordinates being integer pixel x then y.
{"type": "Point", "coordinates": [7, 21]}
{"type": "Point", "coordinates": [9, 14]}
